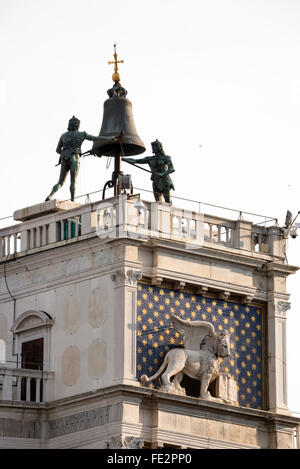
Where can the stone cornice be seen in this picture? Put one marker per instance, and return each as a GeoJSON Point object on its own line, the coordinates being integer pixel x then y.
{"type": "Point", "coordinates": [233, 256]}
{"type": "Point", "coordinates": [156, 399]}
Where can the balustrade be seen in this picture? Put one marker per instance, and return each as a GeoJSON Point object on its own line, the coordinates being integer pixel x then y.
{"type": "Point", "coordinates": [129, 216]}
{"type": "Point", "coordinates": [26, 385]}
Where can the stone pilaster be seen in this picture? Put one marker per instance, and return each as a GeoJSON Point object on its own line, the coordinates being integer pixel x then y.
{"type": "Point", "coordinates": [125, 282]}
{"type": "Point", "coordinates": [276, 326]}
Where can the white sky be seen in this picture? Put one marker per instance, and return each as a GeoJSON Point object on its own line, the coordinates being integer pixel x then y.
{"type": "Point", "coordinates": [224, 74]}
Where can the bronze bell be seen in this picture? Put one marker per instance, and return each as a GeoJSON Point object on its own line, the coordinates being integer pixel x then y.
{"type": "Point", "coordinates": [117, 118]}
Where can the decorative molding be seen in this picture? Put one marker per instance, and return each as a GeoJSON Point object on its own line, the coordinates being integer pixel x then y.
{"type": "Point", "coordinates": [281, 307]}
{"type": "Point", "coordinates": [202, 290]}
{"type": "Point", "coordinates": [31, 319]}
{"type": "Point", "coordinates": [180, 286]}
{"type": "Point", "coordinates": [247, 299]}
{"type": "Point", "coordinates": [224, 295]}
{"type": "Point", "coordinates": [78, 422]}
{"type": "Point", "coordinates": [157, 280]}
{"type": "Point", "coordinates": [124, 442]}
{"type": "Point", "coordinates": [130, 277]}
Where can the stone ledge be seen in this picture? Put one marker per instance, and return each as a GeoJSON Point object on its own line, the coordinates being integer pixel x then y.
{"type": "Point", "coordinates": [44, 208]}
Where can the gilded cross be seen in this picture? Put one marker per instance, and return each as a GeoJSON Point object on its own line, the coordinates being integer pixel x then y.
{"type": "Point", "coordinates": [116, 76]}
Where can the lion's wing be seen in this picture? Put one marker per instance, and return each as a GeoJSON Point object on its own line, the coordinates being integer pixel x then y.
{"type": "Point", "coordinates": [193, 331]}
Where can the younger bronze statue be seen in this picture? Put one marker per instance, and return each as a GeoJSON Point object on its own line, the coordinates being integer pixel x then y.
{"type": "Point", "coordinates": [69, 148]}
{"type": "Point", "coordinates": [161, 166]}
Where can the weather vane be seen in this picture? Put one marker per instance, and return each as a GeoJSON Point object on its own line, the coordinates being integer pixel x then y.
{"type": "Point", "coordinates": [116, 76]}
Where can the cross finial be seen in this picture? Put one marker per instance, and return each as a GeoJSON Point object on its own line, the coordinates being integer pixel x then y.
{"type": "Point", "coordinates": [116, 76]}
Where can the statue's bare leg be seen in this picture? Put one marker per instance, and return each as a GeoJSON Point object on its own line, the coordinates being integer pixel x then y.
{"type": "Point", "coordinates": [75, 164]}
{"type": "Point", "coordinates": [62, 177]}
{"type": "Point", "coordinates": [167, 197]}
{"type": "Point", "coordinates": [157, 195]}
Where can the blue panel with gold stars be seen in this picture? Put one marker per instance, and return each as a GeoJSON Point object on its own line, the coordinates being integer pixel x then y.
{"type": "Point", "coordinates": [155, 335]}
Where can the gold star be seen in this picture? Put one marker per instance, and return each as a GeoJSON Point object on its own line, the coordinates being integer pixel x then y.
{"type": "Point", "coordinates": [161, 292]}
{"type": "Point", "coordinates": [144, 296]}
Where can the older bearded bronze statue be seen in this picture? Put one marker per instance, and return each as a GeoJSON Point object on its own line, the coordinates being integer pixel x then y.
{"type": "Point", "coordinates": [161, 166]}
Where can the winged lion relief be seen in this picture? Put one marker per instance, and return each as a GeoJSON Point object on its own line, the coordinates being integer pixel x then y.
{"type": "Point", "coordinates": [198, 360]}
